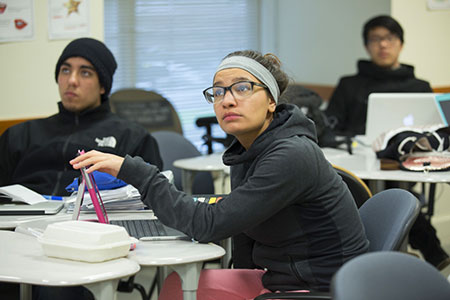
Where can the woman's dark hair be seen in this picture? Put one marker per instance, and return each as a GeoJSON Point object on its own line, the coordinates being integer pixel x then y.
{"type": "Point", "coordinates": [270, 61]}
{"type": "Point", "coordinates": [382, 21]}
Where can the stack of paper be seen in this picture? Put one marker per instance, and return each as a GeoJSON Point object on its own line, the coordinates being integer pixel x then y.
{"type": "Point", "coordinates": [123, 198]}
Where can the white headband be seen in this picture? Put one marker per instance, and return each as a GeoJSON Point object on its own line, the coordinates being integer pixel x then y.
{"type": "Point", "coordinates": [254, 68]}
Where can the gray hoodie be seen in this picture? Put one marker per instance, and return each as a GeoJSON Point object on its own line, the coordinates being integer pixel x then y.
{"type": "Point", "coordinates": [289, 212]}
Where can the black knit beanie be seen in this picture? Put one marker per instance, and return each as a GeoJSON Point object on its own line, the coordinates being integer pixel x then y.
{"type": "Point", "coordinates": [97, 54]}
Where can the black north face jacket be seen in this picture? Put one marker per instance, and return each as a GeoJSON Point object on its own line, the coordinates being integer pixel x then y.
{"type": "Point", "coordinates": [36, 153]}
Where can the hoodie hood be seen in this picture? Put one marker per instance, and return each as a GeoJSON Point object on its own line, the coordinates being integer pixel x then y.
{"type": "Point", "coordinates": [288, 121]}
{"type": "Point", "coordinates": [369, 69]}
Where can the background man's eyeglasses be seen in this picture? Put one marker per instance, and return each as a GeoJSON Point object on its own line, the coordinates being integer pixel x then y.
{"type": "Point", "coordinates": [240, 91]}
{"type": "Point", "coordinates": [376, 40]}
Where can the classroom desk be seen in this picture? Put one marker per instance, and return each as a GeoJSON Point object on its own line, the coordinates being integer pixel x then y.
{"type": "Point", "coordinates": [184, 257]}
{"type": "Point", "coordinates": [364, 164]}
{"type": "Point", "coordinates": [12, 221]}
{"type": "Point", "coordinates": [190, 166]}
{"type": "Point", "coordinates": [22, 260]}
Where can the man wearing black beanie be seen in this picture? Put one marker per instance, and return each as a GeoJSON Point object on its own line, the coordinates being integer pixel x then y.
{"type": "Point", "coordinates": [97, 54]}
{"type": "Point", "coordinates": [36, 153]}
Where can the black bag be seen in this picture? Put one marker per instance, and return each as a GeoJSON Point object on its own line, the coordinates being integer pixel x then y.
{"type": "Point", "coordinates": [309, 102]}
{"type": "Point", "coordinates": [415, 149]}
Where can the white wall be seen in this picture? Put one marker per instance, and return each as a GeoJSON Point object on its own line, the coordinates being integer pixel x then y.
{"type": "Point", "coordinates": [427, 39]}
{"type": "Point", "coordinates": [27, 77]}
{"type": "Point", "coordinates": [320, 40]}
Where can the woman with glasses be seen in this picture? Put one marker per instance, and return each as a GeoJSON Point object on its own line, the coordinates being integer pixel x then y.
{"type": "Point", "coordinates": [293, 221]}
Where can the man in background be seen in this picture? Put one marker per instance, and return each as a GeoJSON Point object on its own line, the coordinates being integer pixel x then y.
{"type": "Point", "coordinates": [347, 109]}
{"type": "Point", "coordinates": [383, 40]}
{"type": "Point", "coordinates": [36, 153]}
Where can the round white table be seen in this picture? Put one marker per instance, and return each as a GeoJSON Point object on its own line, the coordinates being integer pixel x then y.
{"type": "Point", "coordinates": [23, 261]}
{"type": "Point", "coordinates": [190, 166]}
{"type": "Point", "coordinates": [184, 257]}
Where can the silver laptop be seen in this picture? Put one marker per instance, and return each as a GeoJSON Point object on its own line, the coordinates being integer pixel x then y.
{"type": "Point", "coordinates": [443, 106]}
{"type": "Point", "coordinates": [16, 199]}
{"type": "Point", "coordinates": [42, 208]}
{"type": "Point", "coordinates": [387, 111]}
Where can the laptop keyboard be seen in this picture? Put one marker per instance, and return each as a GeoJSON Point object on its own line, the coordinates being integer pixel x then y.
{"type": "Point", "coordinates": [142, 228]}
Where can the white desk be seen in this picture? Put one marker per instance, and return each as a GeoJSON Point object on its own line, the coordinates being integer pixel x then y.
{"type": "Point", "coordinates": [184, 257]}
{"type": "Point", "coordinates": [11, 222]}
{"type": "Point", "coordinates": [14, 221]}
{"type": "Point", "coordinates": [364, 164]}
{"type": "Point", "coordinates": [190, 166]}
{"type": "Point", "coordinates": [22, 260]}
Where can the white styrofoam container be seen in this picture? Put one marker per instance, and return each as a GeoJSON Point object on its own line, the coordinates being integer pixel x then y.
{"type": "Point", "coordinates": [85, 241]}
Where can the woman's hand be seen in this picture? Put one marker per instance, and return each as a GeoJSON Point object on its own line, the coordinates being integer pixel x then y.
{"type": "Point", "coordinates": [98, 161]}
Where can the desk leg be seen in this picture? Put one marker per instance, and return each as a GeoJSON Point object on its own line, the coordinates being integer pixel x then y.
{"type": "Point", "coordinates": [431, 195]}
{"type": "Point", "coordinates": [376, 186]}
{"type": "Point", "coordinates": [25, 291]}
{"type": "Point", "coordinates": [223, 180]}
{"type": "Point", "coordinates": [105, 290]}
{"type": "Point", "coordinates": [227, 245]}
{"type": "Point", "coordinates": [187, 180]}
{"type": "Point", "coordinates": [189, 274]}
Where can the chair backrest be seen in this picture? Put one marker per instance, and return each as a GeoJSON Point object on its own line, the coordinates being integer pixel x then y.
{"type": "Point", "coordinates": [357, 187]}
{"type": "Point", "coordinates": [147, 108]}
{"type": "Point", "coordinates": [173, 146]}
{"type": "Point", "coordinates": [388, 217]}
{"type": "Point", "coordinates": [389, 275]}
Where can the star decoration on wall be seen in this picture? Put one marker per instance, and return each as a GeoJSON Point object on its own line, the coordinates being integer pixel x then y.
{"type": "Point", "coordinates": [72, 6]}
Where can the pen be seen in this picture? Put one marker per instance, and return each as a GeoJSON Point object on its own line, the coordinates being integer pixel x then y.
{"type": "Point", "coordinates": [52, 197]}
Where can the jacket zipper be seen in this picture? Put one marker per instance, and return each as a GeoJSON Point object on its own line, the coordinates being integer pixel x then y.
{"type": "Point", "coordinates": [64, 150]}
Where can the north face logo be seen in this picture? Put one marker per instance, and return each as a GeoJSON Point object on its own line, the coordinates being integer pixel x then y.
{"type": "Point", "coordinates": [108, 141]}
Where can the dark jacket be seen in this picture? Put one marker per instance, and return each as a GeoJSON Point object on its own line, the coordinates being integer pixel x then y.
{"type": "Point", "coordinates": [348, 104]}
{"type": "Point", "coordinates": [293, 211]}
{"type": "Point", "coordinates": [36, 153]}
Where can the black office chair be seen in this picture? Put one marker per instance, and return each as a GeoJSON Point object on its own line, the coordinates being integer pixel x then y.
{"type": "Point", "coordinates": [389, 276]}
{"type": "Point", "coordinates": [173, 146]}
{"type": "Point", "coordinates": [387, 218]}
{"type": "Point", "coordinates": [208, 138]}
{"type": "Point", "coordinates": [360, 191]}
{"type": "Point", "coordinates": [147, 108]}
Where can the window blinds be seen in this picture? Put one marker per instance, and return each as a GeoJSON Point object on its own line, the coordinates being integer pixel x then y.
{"type": "Point", "coordinates": [174, 46]}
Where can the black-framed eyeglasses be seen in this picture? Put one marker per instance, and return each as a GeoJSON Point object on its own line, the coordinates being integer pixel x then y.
{"type": "Point", "coordinates": [376, 40]}
{"type": "Point", "coordinates": [240, 91]}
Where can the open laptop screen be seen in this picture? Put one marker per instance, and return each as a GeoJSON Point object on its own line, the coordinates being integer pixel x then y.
{"type": "Point", "coordinates": [388, 111]}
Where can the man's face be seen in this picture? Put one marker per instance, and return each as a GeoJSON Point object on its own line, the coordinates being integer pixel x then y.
{"type": "Point", "coordinates": [384, 47]}
{"type": "Point", "coordinates": [79, 86]}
